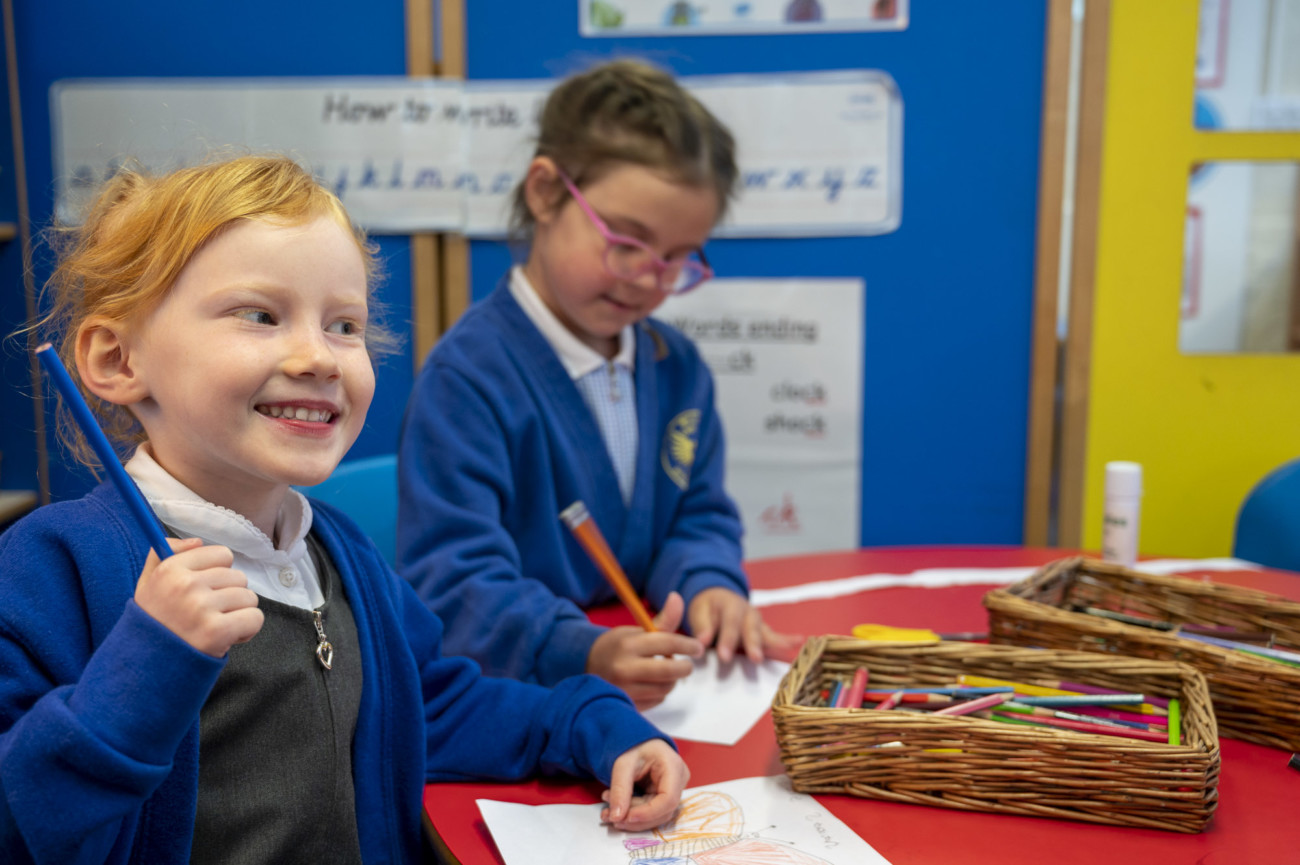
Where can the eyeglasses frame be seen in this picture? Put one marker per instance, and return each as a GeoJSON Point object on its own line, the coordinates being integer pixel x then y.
{"type": "Point", "coordinates": [656, 263]}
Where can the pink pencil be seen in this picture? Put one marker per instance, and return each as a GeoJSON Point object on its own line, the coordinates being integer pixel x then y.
{"type": "Point", "coordinates": [851, 697]}
{"type": "Point", "coordinates": [891, 701]}
{"type": "Point", "coordinates": [976, 704]}
{"type": "Point", "coordinates": [1080, 726]}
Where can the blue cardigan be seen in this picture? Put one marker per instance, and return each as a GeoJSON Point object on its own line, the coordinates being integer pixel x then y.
{"type": "Point", "coordinates": [498, 440]}
{"type": "Point", "coordinates": [99, 703]}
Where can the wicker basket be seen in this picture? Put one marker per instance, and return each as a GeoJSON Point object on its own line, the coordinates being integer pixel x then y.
{"type": "Point", "coordinates": [975, 764]}
{"type": "Point", "coordinates": [1254, 699]}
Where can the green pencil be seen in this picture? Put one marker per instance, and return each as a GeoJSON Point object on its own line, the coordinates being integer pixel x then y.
{"type": "Point", "coordinates": [1175, 716]}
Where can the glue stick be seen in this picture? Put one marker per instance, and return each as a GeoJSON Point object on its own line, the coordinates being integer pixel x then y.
{"type": "Point", "coordinates": [1119, 534]}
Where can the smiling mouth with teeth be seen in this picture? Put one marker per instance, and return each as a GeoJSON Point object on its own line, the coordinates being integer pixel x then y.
{"type": "Point", "coordinates": [298, 413]}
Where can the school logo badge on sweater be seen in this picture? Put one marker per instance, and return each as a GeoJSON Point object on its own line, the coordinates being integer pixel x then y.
{"type": "Point", "coordinates": [677, 454]}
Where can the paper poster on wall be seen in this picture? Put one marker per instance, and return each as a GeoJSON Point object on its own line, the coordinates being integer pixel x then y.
{"type": "Point", "coordinates": [820, 153]}
{"type": "Point", "coordinates": [786, 355]}
{"type": "Point", "coordinates": [687, 18]}
{"type": "Point", "coordinates": [391, 152]}
{"type": "Point", "coordinates": [1248, 65]}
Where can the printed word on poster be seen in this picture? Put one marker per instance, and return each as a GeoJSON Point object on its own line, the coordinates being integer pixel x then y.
{"type": "Point", "coordinates": [786, 355]}
{"type": "Point", "coordinates": [686, 18]}
{"type": "Point", "coordinates": [820, 154]}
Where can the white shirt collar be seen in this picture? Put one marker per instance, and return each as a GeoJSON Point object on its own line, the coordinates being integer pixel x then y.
{"type": "Point", "coordinates": [186, 511]}
{"type": "Point", "coordinates": [578, 358]}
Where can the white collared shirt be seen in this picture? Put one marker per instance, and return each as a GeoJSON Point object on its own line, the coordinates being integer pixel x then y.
{"type": "Point", "coordinates": [578, 358]}
{"type": "Point", "coordinates": [286, 574]}
{"type": "Point", "coordinates": [607, 386]}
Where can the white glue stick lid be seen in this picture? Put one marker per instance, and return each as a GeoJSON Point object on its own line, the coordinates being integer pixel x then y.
{"type": "Point", "coordinates": [1123, 479]}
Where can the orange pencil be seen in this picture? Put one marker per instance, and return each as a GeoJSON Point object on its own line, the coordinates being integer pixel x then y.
{"type": "Point", "coordinates": [587, 533]}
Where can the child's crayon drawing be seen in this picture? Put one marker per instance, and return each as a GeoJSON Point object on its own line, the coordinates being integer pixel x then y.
{"type": "Point", "coordinates": [748, 821]}
{"type": "Point", "coordinates": [709, 830]}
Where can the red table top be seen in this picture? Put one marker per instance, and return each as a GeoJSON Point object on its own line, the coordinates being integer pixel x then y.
{"type": "Point", "coordinates": [1255, 821]}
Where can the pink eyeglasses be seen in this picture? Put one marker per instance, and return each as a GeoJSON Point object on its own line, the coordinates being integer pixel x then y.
{"type": "Point", "coordinates": [628, 258]}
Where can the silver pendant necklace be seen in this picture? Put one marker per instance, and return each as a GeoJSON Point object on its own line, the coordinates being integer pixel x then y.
{"type": "Point", "coordinates": [324, 649]}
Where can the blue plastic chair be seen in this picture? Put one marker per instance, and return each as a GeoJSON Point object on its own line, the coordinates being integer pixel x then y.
{"type": "Point", "coordinates": [1268, 524]}
{"type": "Point", "coordinates": [366, 490]}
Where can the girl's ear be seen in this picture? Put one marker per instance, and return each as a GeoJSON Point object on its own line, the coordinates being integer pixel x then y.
{"type": "Point", "coordinates": [543, 189]}
{"type": "Point", "coordinates": [104, 362]}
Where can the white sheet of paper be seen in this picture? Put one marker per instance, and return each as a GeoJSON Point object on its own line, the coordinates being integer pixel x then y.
{"type": "Point", "coordinates": [743, 821]}
{"type": "Point", "coordinates": [939, 578]}
{"type": "Point", "coordinates": [718, 702]}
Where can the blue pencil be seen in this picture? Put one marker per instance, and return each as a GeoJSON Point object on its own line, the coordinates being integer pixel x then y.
{"type": "Point", "coordinates": [139, 508]}
{"type": "Point", "coordinates": [1084, 700]}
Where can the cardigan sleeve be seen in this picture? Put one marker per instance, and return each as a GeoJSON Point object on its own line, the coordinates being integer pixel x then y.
{"type": "Point", "coordinates": [702, 548]}
{"type": "Point", "coordinates": [480, 727]}
{"type": "Point", "coordinates": [85, 736]}
{"type": "Point", "coordinates": [455, 478]}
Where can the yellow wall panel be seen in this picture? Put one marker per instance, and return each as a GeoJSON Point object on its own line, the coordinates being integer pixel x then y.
{"type": "Point", "coordinates": [1205, 428]}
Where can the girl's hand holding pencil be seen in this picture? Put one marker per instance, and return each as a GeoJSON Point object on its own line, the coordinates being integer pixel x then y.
{"type": "Point", "coordinates": [196, 595]}
{"type": "Point", "coordinates": [642, 662]}
{"type": "Point", "coordinates": [662, 775]}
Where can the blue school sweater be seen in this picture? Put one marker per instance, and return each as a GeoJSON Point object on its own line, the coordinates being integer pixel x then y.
{"type": "Point", "coordinates": [498, 440]}
{"type": "Point", "coordinates": [99, 703]}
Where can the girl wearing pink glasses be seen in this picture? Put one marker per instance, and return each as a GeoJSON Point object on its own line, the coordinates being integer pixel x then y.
{"type": "Point", "coordinates": [559, 387]}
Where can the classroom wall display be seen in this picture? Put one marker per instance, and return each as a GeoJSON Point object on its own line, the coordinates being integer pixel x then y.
{"type": "Point", "coordinates": [685, 18]}
{"type": "Point", "coordinates": [786, 356]}
{"type": "Point", "coordinates": [1239, 258]}
{"type": "Point", "coordinates": [1205, 427]}
{"type": "Point", "coordinates": [822, 157]}
{"type": "Point", "coordinates": [1248, 65]}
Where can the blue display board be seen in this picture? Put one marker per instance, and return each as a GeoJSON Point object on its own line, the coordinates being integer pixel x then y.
{"type": "Point", "coordinates": [949, 295]}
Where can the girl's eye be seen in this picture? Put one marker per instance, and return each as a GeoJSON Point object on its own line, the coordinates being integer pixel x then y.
{"type": "Point", "coordinates": [256, 316]}
{"type": "Point", "coordinates": [344, 328]}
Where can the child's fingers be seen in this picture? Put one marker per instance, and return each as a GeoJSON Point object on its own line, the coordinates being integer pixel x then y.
{"type": "Point", "coordinates": [703, 617]}
{"type": "Point", "coordinates": [783, 647]}
{"type": "Point", "coordinates": [661, 670]}
{"type": "Point", "coordinates": [231, 598]}
{"type": "Point", "coordinates": [621, 780]}
{"type": "Point", "coordinates": [649, 645]}
{"type": "Point", "coordinates": [729, 630]}
{"type": "Point", "coordinates": [245, 624]}
{"type": "Point", "coordinates": [753, 635]}
{"type": "Point", "coordinates": [663, 774]}
{"type": "Point", "coordinates": [670, 617]}
{"type": "Point", "coordinates": [647, 812]}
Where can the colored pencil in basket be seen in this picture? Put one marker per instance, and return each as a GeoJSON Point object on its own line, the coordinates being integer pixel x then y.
{"type": "Point", "coordinates": [951, 690]}
{"type": "Point", "coordinates": [1082, 727]}
{"type": "Point", "coordinates": [1085, 700]}
{"type": "Point", "coordinates": [852, 696]}
{"type": "Point", "coordinates": [1175, 723]}
{"type": "Point", "coordinates": [1080, 688]}
{"type": "Point", "coordinates": [977, 704]}
{"type": "Point", "coordinates": [1153, 706]}
{"type": "Point", "coordinates": [1274, 654]}
{"type": "Point", "coordinates": [939, 700]}
{"type": "Point", "coordinates": [1043, 712]}
{"type": "Point", "coordinates": [890, 702]}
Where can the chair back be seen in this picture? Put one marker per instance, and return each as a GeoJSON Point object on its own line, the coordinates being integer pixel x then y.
{"type": "Point", "coordinates": [365, 490]}
{"type": "Point", "coordinates": [1268, 524]}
